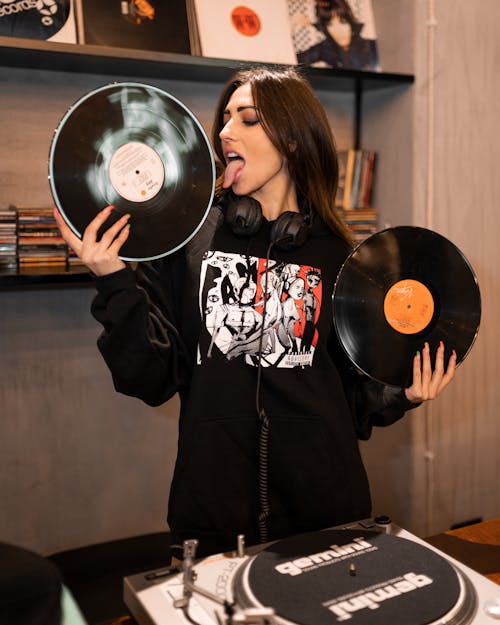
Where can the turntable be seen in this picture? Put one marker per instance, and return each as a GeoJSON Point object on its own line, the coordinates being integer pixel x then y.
{"type": "Point", "coordinates": [364, 573]}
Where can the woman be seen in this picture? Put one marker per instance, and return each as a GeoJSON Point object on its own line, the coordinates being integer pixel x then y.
{"type": "Point", "coordinates": [267, 439]}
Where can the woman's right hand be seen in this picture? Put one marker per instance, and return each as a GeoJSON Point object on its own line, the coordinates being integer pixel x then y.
{"type": "Point", "coordinates": [101, 257]}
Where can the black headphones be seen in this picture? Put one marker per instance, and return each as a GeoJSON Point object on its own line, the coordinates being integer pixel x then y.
{"type": "Point", "coordinates": [244, 214]}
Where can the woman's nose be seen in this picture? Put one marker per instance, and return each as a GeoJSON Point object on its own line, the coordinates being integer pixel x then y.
{"type": "Point", "coordinates": [226, 134]}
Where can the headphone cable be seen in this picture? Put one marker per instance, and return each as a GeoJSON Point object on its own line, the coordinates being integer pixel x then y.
{"type": "Point", "coordinates": [263, 460]}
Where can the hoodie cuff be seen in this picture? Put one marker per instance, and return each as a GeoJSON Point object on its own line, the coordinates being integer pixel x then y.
{"type": "Point", "coordinates": [111, 283]}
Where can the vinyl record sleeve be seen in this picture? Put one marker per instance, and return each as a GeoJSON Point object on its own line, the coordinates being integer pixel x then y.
{"type": "Point", "coordinates": [254, 30]}
{"type": "Point", "coordinates": [140, 24]}
{"type": "Point", "coordinates": [50, 20]}
{"type": "Point", "coordinates": [397, 290]}
{"type": "Point", "coordinates": [319, 40]}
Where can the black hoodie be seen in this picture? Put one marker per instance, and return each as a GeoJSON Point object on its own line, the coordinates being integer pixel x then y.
{"type": "Point", "coordinates": [192, 323]}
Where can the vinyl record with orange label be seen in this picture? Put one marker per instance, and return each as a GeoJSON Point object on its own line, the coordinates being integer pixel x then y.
{"type": "Point", "coordinates": [400, 288]}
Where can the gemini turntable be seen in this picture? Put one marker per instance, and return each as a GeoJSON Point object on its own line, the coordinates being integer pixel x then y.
{"type": "Point", "coordinates": [363, 573]}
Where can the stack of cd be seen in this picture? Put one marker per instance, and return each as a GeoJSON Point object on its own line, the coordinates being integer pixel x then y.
{"type": "Point", "coordinates": [40, 243]}
{"type": "Point", "coordinates": [8, 238]}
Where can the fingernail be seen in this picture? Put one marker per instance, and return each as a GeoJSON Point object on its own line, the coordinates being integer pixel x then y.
{"type": "Point", "coordinates": [441, 344]}
{"type": "Point", "coordinates": [453, 352]}
{"type": "Point", "coordinates": [417, 353]}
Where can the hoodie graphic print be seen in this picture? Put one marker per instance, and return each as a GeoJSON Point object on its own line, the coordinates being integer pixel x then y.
{"type": "Point", "coordinates": [235, 290]}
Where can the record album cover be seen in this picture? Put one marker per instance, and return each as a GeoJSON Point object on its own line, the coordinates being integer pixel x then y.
{"type": "Point", "coordinates": [50, 20]}
{"type": "Point", "coordinates": [334, 33]}
{"type": "Point", "coordinates": [140, 24]}
{"type": "Point", "coordinates": [254, 30]}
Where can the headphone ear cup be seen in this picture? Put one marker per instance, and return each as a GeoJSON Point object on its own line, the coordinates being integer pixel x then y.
{"type": "Point", "coordinates": [289, 231]}
{"type": "Point", "coordinates": [243, 214]}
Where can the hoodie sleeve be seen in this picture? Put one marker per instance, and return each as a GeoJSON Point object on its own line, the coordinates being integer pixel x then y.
{"type": "Point", "coordinates": [372, 403]}
{"type": "Point", "coordinates": [140, 341]}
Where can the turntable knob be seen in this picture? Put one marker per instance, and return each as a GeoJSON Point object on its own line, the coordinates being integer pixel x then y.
{"type": "Point", "coordinates": [383, 523]}
{"type": "Point", "coordinates": [492, 608]}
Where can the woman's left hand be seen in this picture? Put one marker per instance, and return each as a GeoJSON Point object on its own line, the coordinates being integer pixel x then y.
{"type": "Point", "coordinates": [427, 384]}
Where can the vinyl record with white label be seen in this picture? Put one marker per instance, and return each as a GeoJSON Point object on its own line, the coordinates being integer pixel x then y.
{"type": "Point", "coordinates": [141, 150]}
{"type": "Point", "coordinates": [400, 288]}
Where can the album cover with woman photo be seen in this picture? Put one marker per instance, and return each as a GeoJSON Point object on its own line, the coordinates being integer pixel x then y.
{"type": "Point", "coordinates": [334, 33]}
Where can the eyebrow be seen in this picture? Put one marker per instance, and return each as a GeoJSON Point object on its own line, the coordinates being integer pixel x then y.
{"type": "Point", "coordinates": [242, 108]}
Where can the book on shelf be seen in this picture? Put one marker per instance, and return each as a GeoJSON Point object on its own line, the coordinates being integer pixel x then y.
{"type": "Point", "coordinates": [334, 33]}
{"type": "Point", "coordinates": [354, 192]}
{"type": "Point", "coordinates": [257, 30]}
{"type": "Point", "coordinates": [141, 24]}
{"type": "Point", "coordinates": [49, 20]}
{"type": "Point", "coordinates": [356, 178]}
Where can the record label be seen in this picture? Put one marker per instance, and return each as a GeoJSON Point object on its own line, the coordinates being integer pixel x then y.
{"type": "Point", "coordinates": [245, 21]}
{"type": "Point", "coordinates": [399, 289]}
{"type": "Point", "coordinates": [136, 172]}
{"type": "Point", "coordinates": [141, 150]}
{"type": "Point", "coordinates": [408, 306]}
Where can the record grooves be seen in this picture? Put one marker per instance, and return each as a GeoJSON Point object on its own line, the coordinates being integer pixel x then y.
{"type": "Point", "coordinates": [140, 149]}
{"type": "Point", "coordinates": [398, 289]}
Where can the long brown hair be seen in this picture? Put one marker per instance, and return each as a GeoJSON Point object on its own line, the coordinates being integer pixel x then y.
{"type": "Point", "coordinates": [296, 123]}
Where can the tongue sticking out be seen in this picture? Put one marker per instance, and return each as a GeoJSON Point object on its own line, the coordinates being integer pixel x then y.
{"type": "Point", "coordinates": [232, 172]}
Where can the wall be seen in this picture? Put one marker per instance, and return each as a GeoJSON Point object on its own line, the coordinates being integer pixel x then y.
{"type": "Point", "coordinates": [439, 466]}
{"type": "Point", "coordinates": [80, 464]}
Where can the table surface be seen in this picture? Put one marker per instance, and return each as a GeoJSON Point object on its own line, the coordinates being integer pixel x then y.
{"type": "Point", "coordinates": [477, 546]}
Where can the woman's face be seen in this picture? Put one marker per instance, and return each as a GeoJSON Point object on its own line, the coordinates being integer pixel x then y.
{"type": "Point", "coordinates": [253, 165]}
{"type": "Point", "coordinates": [340, 30]}
{"type": "Point", "coordinates": [297, 289]}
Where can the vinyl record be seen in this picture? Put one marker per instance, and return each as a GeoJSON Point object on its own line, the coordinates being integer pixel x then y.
{"type": "Point", "coordinates": [142, 150]}
{"type": "Point", "coordinates": [398, 289]}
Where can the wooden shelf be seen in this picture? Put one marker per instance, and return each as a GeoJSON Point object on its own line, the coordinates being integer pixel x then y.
{"type": "Point", "coordinates": [45, 55]}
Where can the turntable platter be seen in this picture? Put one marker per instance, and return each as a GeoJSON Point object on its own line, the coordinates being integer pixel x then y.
{"type": "Point", "coordinates": [355, 576]}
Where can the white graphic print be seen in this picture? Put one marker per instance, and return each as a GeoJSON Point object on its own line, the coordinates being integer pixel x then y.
{"type": "Point", "coordinates": [233, 295]}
